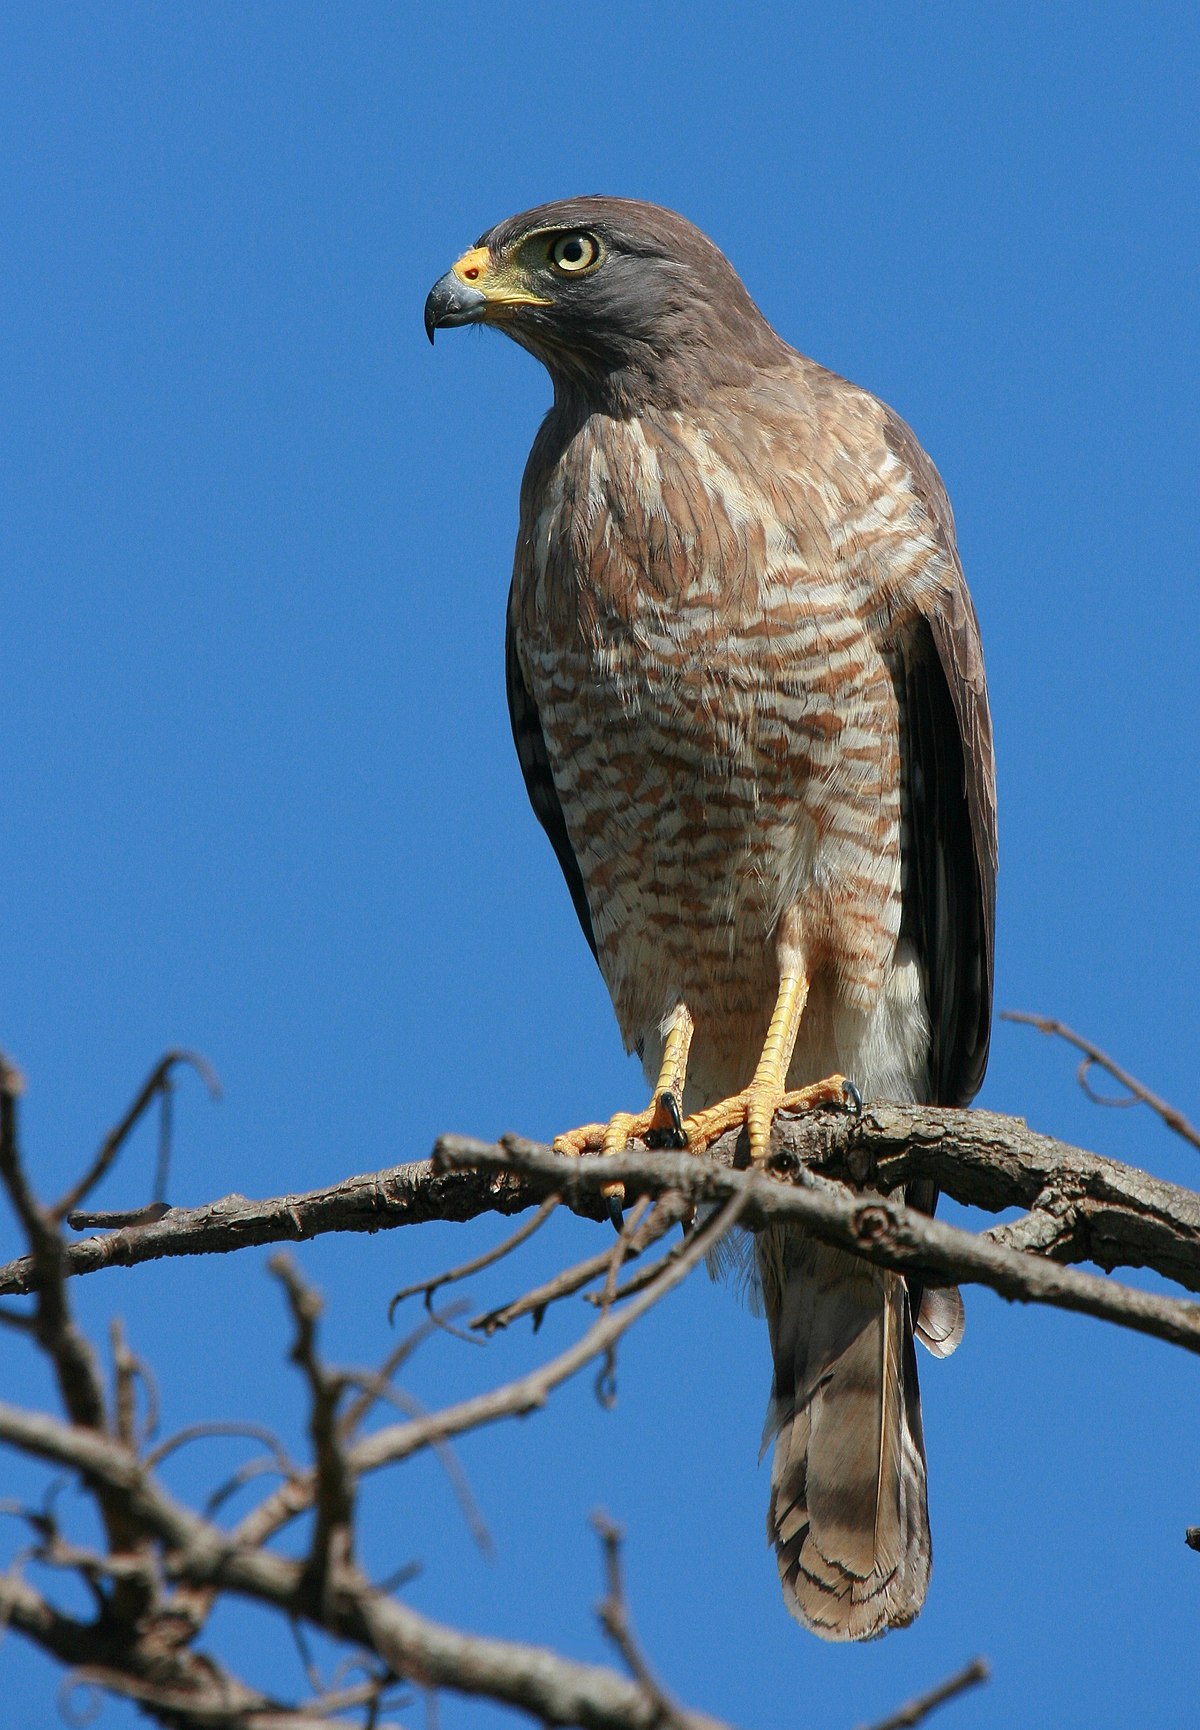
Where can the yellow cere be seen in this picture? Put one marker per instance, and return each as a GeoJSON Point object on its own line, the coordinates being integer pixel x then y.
{"type": "Point", "coordinates": [502, 283]}
{"type": "Point", "coordinates": [472, 267]}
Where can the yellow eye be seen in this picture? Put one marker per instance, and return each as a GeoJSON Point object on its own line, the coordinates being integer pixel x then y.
{"type": "Point", "coordinates": [575, 253]}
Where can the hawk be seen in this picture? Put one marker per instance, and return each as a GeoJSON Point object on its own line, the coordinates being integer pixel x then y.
{"type": "Point", "coordinates": [747, 693]}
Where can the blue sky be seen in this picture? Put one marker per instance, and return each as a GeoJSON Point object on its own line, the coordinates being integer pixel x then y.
{"type": "Point", "coordinates": [260, 791]}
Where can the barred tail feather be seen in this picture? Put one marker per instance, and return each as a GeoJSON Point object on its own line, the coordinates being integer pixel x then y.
{"type": "Point", "coordinates": [848, 1515]}
{"type": "Point", "coordinates": [941, 1320]}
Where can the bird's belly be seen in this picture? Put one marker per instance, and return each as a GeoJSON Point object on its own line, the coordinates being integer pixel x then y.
{"type": "Point", "coordinates": [714, 808]}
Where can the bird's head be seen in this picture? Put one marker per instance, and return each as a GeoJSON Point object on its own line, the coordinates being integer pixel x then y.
{"type": "Point", "coordinates": [625, 302]}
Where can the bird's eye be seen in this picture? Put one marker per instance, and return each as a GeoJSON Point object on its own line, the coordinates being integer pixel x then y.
{"type": "Point", "coordinates": [575, 253]}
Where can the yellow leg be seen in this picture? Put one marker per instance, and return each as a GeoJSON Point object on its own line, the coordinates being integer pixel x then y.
{"type": "Point", "coordinates": [660, 1123]}
{"type": "Point", "coordinates": [757, 1104]}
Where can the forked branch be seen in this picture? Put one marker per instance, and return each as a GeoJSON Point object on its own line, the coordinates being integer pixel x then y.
{"type": "Point", "coordinates": [163, 1566]}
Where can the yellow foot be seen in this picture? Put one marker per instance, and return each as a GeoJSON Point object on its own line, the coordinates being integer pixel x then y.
{"type": "Point", "coordinates": [660, 1125]}
{"type": "Point", "coordinates": [756, 1107]}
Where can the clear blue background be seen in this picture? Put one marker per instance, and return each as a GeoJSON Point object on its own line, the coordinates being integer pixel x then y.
{"type": "Point", "coordinates": [260, 797]}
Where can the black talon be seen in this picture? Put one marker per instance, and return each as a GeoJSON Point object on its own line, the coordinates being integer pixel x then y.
{"type": "Point", "coordinates": [852, 1097]}
{"type": "Point", "coordinates": [668, 1138]}
{"type": "Point", "coordinates": [616, 1214]}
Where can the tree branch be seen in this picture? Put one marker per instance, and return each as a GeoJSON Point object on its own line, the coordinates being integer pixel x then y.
{"type": "Point", "coordinates": [613, 1613]}
{"type": "Point", "coordinates": [157, 1084]}
{"type": "Point", "coordinates": [879, 1230]}
{"type": "Point", "coordinates": [1082, 1207]}
{"type": "Point", "coordinates": [915, 1712]}
{"type": "Point", "coordinates": [549, 1688]}
{"type": "Point", "coordinates": [528, 1393]}
{"type": "Point", "coordinates": [1136, 1092]}
{"type": "Point", "coordinates": [169, 1564]}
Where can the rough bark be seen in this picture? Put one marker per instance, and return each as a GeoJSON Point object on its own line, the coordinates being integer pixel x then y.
{"type": "Point", "coordinates": [163, 1567]}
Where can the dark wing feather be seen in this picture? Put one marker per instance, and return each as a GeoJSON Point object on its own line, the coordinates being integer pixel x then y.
{"type": "Point", "coordinates": [539, 782]}
{"type": "Point", "coordinates": [950, 777]}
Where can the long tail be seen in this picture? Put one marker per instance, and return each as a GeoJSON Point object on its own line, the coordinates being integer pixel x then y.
{"type": "Point", "coordinates": [848, 1515]}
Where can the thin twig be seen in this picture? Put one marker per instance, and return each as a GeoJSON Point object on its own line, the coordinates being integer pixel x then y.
{"type": "Point", "coordinates": [477, 1263]}
{"type": "Point", "coordinates": [75, 1365]}
{"type": "Point", "coordinates": [1093, 1057]}
{"type": "Point", "coordinates": [245, 1474]}
{"type": "Point", "coordinates": [166, 1122]}
{"type": "Point", "coordinates": [379, 1388]}
{"type": "Point", "coordinates": [620, 1251]}
{"type": "Point", "coordinates": [442, 1324]}
{"type": "Point", "coordinates": [527, 1393]}
{"type": "Point", "coordinates": [400, 1577]}
{"type": "Point", "coordinates": [304, 1652]}
{"type": "Point", "coordinates": [358, 1410]}
{"type": "Point", "coordinates": [130, 1371]}
{"type": "Point", "coordinates": [638, 1281]}
{"type": "Point", "coordinates": [606, 1375]}
{"type": "Point", "coordinates": [333, 1529]}
{"type": "Point", "coordinates": [218, 1428]}
{"type": "Point", "coordinates": [613, 1615]}
{"type": "Point", "coordinates": [916, 1711]}
{"type": "Point", "coordinates": [158, 1078]}
{"type": "Point", "coordinates": [573, 1279]}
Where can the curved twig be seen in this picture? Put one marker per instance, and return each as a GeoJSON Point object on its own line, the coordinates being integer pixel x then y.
{"type": "Point", "coordinates": [646, 1232]}
{"type": "Point", "coordinates": [477, 1263]}
{"type": "Point", "coordinates": [915, 1712]}
{"type": "Point", "coordinates": [1094, 1058]}
{"type": "Point", "coordinates": [379, 1388]}
{"type": "Point", "coordinates": [154, 1084]}
{"type": "Point", "coordinates": [219, 1428]}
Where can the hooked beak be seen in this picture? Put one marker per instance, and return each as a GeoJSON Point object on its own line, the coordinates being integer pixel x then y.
{"type": "Point", "coordinates": [452, 301]}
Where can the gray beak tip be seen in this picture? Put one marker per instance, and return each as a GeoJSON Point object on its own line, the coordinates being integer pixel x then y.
{"type": "Point", "coordinates": [452, 302]}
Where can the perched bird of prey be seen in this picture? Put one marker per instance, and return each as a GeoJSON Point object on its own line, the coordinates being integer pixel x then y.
{"type": "Point", "coordinates": [747, 693]}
